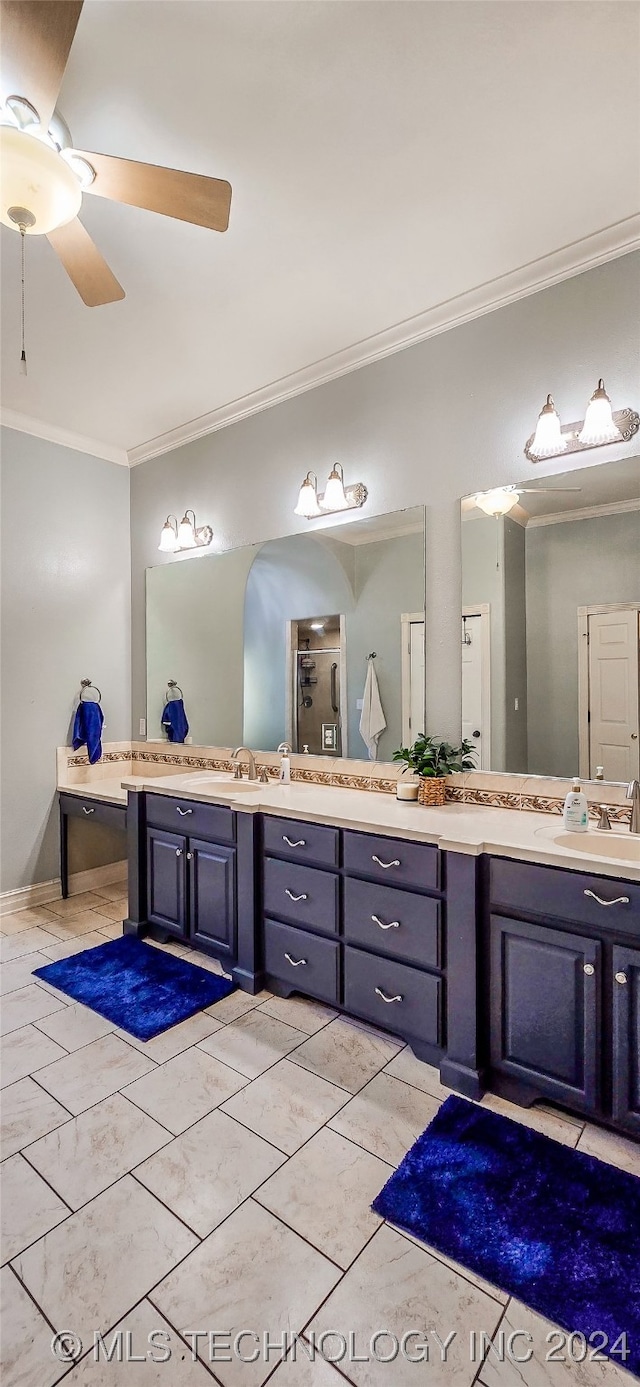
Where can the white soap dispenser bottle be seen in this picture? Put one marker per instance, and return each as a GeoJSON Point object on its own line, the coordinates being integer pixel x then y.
{"type": "Point", "coordinates": [285, 763]}
{"type": "Point", "coordinates": [576, 810]}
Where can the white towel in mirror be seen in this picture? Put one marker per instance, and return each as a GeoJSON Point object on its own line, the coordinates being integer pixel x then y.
{"type": "Point", "coordinates": [372, 718]}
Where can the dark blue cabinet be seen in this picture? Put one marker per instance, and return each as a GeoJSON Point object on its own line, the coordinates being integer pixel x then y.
{"type": "Point", "coordinates": [167, 881]}
{"type": "Point", "coordinates": [626, 1037]}
{"type": "Point", "coordinates": [212, 895]}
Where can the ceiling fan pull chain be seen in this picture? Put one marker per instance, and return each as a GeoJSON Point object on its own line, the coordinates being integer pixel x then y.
{"type": "Point", "coordinates": [23, 354]}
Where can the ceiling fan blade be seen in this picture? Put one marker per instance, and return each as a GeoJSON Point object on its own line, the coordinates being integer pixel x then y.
{"type": "Point", "coordinates": [547, 490]}
{"type": "Point", "coordinates": [190, 197]}
{"type": "Point", "coordinates": [36, 39]}
{"type": "Point", "coordinates": [84, 264]}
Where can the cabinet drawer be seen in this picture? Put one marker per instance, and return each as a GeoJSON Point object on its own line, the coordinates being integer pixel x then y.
{"type": "Point", "coordinates": [399, 923]}
{"type": "Point", "coordinates": [301, 894]}
{"type": "Point", "coordinates": [565, 895]}
{"type": "Point", "coordinates": [95, 810]}
{"type": "Point", "coordinates": [301, 842]}
{"type": "Point", "coordinates": [212, 821]}
{"type": "Point", "coordinates": [416, 1008]}
{"type": "Point", "coordinates": [307, 963]}
{"type": "Point", "coordinates": [392, 860]}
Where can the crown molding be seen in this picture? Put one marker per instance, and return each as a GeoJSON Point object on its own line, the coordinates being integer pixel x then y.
{"type": "Point", "coordinates": [579, 256]}
{"type": "Point", "coordinates": [52, 433]}
{"type": "Point", "coordinates": [585, 513]}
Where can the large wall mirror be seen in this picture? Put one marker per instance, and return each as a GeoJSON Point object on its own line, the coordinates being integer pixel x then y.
{"type": "Point", "coordinates": [551, 603]}
{"type": "Point", "coordinates": [273, 642]}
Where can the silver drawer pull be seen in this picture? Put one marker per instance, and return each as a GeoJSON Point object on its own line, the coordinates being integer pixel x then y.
{"type": "Point", "coordinates": [392, 924]}
{"type": "Point", "coordinates": [184, 811]}
{"type": "Point", "coordinates": [87, 811]}
{"type": "Point", "coordinates": [302, 897]}
{"type": "Point", "coordinates": [395, 863]}
{"type": "Point", "coordinates": [619, 900]}
{"type": "Point", "coordinates": [295, 962]}
{"type": "Point", "coordinates": [301, 843]}
{"type": "Point", "coordinates": [383, 996]}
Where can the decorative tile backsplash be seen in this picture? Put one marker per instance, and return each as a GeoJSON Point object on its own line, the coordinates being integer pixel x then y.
{"type": "Point", "coordinates": [497, 791]}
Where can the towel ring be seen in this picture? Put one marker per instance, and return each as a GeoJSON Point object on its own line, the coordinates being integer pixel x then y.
{"type": "Point", "coordinates": [171, 684]}
{"type": "Point", "coordinates": [86, 684]}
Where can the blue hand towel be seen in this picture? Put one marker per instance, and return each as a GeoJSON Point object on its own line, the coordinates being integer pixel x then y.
{"type": "Point", "coordinates": [87, 728]}
{"type": "Point", "coordinates": [174, 719]}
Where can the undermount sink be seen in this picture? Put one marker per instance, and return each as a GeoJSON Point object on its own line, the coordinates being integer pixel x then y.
{"type": "Point", "coordinates": [622, 847]}
{"type": "Point", "coordinates": [228, 783]}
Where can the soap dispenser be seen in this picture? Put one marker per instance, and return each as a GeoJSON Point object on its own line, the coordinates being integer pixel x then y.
{"type": "Point", "coordinates": [285, 763]}
{"type": "Point", "coordinates": [576, 810]}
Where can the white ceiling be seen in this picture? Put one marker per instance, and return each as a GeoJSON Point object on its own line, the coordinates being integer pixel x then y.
{"type": "Point", "coordinates": [384, 157]}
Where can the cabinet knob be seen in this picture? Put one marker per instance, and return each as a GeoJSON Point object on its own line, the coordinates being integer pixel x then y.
{"type": "Point", "coordinates": [621, 978]}
{"type": "Point", "coordinates": [189, 856]}
{"type": "Point", "coordinates": [178, 852]}
{"type": "Point", "coordinates": [589, 969]}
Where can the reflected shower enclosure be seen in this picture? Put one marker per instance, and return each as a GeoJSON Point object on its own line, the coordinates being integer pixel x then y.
{"type": "Point", "coordinates": [316, 658]}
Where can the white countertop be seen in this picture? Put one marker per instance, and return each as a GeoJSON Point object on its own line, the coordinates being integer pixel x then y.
{"type": "Point", "coordinates": [466, 828]}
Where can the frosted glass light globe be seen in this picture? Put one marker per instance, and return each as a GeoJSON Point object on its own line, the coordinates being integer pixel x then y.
{"type": "Point", "coordinates": [34, 176]}
{"type": "Point", "coordinates": [598, 424]}
{"type": "Point", "coordinates": [548, 439]}
{"type": "Point", "coordinates": [498, 502]}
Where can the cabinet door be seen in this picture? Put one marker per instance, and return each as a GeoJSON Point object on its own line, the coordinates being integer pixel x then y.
{"type": "Point", "coordinates": [626, 1037]}
{"type": "Point", "coordinates": [212, 900]}
{"type": "Point", "coordinates": [545, 1009]}
{"type": "Point", "coordinates": [167, 880]}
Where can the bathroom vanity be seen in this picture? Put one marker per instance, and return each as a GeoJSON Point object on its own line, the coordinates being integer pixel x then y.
{"type": "Point", "coordinates": [509, 974]}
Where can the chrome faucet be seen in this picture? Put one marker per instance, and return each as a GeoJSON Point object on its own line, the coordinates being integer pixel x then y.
{"type": "Point", "coordinates": [633, 793]}
{"type": "Point", "coordinates": [251, 759]}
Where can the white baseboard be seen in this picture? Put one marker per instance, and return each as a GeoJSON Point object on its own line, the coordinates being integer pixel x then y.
{"type": "Point", "coordinates": [43, 891]}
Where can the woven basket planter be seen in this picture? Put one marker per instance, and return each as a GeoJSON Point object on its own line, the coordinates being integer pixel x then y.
{"type": "Point", "coordinates": [431, 790]}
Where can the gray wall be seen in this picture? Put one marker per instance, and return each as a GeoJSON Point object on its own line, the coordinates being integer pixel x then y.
{"type": "Point", "coordinates": [577, 564]}
{"type": "Point", "coordinates": [65, 615]}
{"type": "Point", "coordinates": [428, 424]}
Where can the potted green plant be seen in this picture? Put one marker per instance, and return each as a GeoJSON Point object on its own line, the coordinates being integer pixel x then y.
{"type": "Point", "coordinates": [432, 759]}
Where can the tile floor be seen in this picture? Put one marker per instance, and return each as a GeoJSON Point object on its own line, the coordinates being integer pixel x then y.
{"type": "Point", "coordinates": [219, 1178]}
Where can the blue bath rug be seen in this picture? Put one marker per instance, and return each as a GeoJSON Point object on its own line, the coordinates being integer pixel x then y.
{"type": "Point", "coordinates": [141, 989]}
{"type": "Point", "coordinates": [555, 1227]}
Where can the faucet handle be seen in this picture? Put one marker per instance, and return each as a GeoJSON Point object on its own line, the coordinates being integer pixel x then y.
{"type": "Point", "coordinates": [633, 788]}
{"type": "Point", "coordinates": [237, 770]}
{"type": "Point", "coordinates": [604, 821]}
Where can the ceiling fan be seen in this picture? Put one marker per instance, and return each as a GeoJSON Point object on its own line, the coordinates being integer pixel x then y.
{"type": "Point", "coordinates": [503, 499]}
{"type": "Point", "coordinates": [44, 177]}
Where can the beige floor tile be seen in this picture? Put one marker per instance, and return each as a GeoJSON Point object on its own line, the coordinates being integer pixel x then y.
{"type": "Point", "coordinates": [73, 905]}
{"type": "Point", "coordinates": [539, 1119]}
{"type": "Point", "coordinates": [208, 1171]}
{"type": "Point", "coordinates": [386, 1117]}
{"type": "Point", "coordinates": [538, 1372]}
{"type": "Point", "coordinates": [286, 1105]}
{"type": "Point", "coordinates": [26, 1359]}
{"type": "Point", "coordinates": [72, 926]}
{"type": "Point", "coordinates": [27, 1113]}
{"type": "Point", "coordinates": [26, 1005]}
{"type": "Point", "coordinates": [25, 1051]}
{"type": "Point", "coordinates": [29, 941]}
{"type": "Point", "coordinates": [300, 1012]}
{"type": "Point", "coordinates": [116, 891]}
{"type": "Point", "coordinates": [397, 1287]}
{"type": "Point", "coordinates": [253, 1043]}
{"type": "Point", "coordinates": [92, 1073]}
{"type": "Point", "coordinates": [76, 1026]}
{"type": "Point", "coordinates": [611, 1147]}
{"type": "Point", "coordinates": [456, 1267]}
{"type": "Point", "coordinates": [110, 930]}
{"type": "Point", "coordinates": [113, 910]}
{"type": "Point", "coordinates": [81, 1278]}
{"type": "Point", "coordinates": [92, 1151]}
{"type": "Point", "coordinates": [178, 1038]}
{"type": "Point", "coordinates": [64, 948]}
{"type": "Point", "coordinates": [324, 1193]}
{"type": "Point", "coordinates": [299, 1371]}
{"type": "Point", "coordinates": [178, 1371]}
{"type": "Point", "coordinates": [25, 919]}
{"type": "Point", "coordinates": [20, 973]}
{"type": "Point", "coordinates": [185, 1089]}
{"type": "Point", "coordinates": [235, 1005]}
{"type": "Point", "coordinates": [345, 1055]}
{"type": "Point", "coordinates": [29, 1207]}
{"type": "Point", "coordinates": [253, 1272]}
{"type": "Point", "coordinates": [413, 1071]}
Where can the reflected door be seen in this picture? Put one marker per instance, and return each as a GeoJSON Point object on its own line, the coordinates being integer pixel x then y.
{"type": "Point", "coordinates": [614, 694]}
{"type": "Point", "coordinates": [472, 728]}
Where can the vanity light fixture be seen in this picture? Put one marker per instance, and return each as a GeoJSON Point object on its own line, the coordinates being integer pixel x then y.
{"type": "Point", "coordinates": [336, 497]}
{"type": "Point", "coordinates": [175, 538]}
{"type": "Point", "coordinates": [601, 425]}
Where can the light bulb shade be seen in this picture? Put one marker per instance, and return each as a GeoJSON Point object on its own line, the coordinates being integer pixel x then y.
{"type": "Point", "coordinates": [598, 424]}
{"type": "Point", "coordinates": [548, 438]}
{"type": "Point", "coordinates": [168, 537]}
{"type": "Point", "coordinates": [334, 495]}
{"type": "Point", "coordinates": [187, 531]}
{"type": "Point", "coordinates": [307, 505]}
{"type": "Point", "coordinates": [498, 502]}
{"type": "Point", "coordinates": [34, 176]}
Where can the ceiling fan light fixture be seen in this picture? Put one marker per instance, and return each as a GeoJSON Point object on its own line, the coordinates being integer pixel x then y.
{"type": "Point", "coordinates": [548, 438]}
{"type": "Point", "coordinates": [35, 177]}
{"type": "Point", "coordinates": [498, 502]}
{"type": "Point", "coordinates": [307, 504]}
{"type": "Point", "coordinates": [334, 496]}
{"type": "Point", "coordinates": [169, 536]}
{"type": "Point", "coordinates": [84, 171]}
{"type": "Point", "coordinates": [598, 424]}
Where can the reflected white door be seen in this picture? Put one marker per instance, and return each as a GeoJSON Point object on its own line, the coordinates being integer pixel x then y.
{"type": "Point", "coordinates": [413, 676]}
{"type": "Point", "coordinates": [614, 704]}
{"type": "Point", "coordinates": [472, 727]}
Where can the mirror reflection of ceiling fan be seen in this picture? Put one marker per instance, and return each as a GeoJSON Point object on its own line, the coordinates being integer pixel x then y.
{"type": "Point", "coordinates": [44, 177]}
{"type": "Point", "coordinates": [505, 498]}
